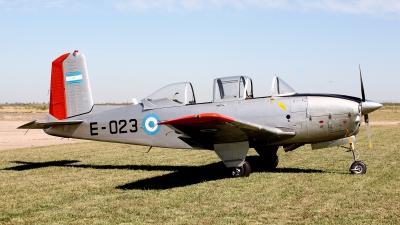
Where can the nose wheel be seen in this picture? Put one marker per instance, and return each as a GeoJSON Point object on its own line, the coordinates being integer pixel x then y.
{"type": "Point", "coordinates": [358, 167]}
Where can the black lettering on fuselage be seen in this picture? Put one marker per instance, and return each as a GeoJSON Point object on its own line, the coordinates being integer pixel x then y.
{"type": "Point", "coordinates": [134, 125]}
{"type": "Point", "coordinates": [93, 129]}
{"type": "Point", "coordinates": [115, 127]}
{"type": "Point", "coordinates": [121, 129]}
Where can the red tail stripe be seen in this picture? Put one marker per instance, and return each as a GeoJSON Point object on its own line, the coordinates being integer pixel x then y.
{"type": "Point", "coordinates": [58, 105]}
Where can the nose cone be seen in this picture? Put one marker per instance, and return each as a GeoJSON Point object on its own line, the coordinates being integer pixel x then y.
{"type": "Point", "coordinates": [368, 107]}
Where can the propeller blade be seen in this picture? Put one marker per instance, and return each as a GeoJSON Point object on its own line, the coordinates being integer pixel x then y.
{"type": "Point", "coordinates": [362, 85]}
{"type": "Point", "coordinates": [369, 135]}
{"type": "Point", "coordinates": [366, 118]}
{"type": "Point", "coordinates": [367, 107]}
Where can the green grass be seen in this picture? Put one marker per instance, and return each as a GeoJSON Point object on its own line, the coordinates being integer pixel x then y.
{"type": "Point", "coordinates": [105, 183]}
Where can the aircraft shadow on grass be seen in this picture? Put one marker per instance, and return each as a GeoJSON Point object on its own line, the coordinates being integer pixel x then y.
{"type": "Point", "coordinates": [180, 176]}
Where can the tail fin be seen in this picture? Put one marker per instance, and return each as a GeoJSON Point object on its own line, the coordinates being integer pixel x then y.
{"type": "Point", "coordinates": [70, 93]}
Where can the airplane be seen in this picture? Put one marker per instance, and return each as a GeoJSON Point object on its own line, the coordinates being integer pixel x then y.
{"type": "Point", "coordinates": [234, 121]}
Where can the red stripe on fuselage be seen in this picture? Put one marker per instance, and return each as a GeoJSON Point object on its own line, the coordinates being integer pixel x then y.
{"type": "Point", "coordinates": [58, 104]}
{"type": "Point", "coordinates": [204, 119]}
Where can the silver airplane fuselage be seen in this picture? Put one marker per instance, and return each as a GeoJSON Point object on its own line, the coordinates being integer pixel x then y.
{"type": "Point", "coordinates": [314, 118]}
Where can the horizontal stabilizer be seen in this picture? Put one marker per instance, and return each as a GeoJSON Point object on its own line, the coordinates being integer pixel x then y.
{"type": "Point", "coordinates": [34, 124]}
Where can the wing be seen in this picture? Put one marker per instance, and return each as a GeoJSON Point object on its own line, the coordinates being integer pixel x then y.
{"type": "Point", "coordinates": [46, 124]}
{"type": "Point", "coordinates": [208, 129]}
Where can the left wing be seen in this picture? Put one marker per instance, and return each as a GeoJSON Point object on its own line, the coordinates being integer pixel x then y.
{"type": "Point", "coordinates": [208, 129]}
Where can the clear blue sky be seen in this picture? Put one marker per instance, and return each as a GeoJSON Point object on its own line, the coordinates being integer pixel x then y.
{"type": "Point", "coordinates": [134, 47]}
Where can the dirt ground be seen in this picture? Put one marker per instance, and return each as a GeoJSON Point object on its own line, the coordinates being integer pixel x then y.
{"type": "Point", "coordinates": [11, 137]}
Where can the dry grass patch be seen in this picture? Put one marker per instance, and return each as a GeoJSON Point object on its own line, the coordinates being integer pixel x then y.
{"type": "Point", "coordinates": [24, 108]}
{"type": "Point", "coordinates": [389, 112]}
{"type": "Point", "coordinates": [385, 115]}
{"type": "Point", "coordinates": [16, 117]}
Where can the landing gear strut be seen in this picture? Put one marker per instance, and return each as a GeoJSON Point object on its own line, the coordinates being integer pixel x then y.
{"type": "Point", "coordinates": [243, 171]}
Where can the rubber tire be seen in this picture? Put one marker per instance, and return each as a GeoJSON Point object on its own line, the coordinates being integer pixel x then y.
{"type": "Point", "coordinates": [268, 156]}
{"type": "Point", "coordinates": [358, 167]}
{"type": "Point", "coordinates": [245, 170]}
{"type": "Point", "coordinates": [271, 163]}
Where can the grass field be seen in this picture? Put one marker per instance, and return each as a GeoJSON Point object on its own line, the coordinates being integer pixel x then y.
{"type": "Point", "coordinates": [389, 112]}
{"type": "Point", "coordinates": [105, 183]}
{"type": "Point", "coordinates": [24, 108]}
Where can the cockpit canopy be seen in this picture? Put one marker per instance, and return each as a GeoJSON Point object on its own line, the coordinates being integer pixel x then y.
{"type": "Point", "coordinates": [232, 88]}
{"type": "Point", "coordinates": [280, 88]}
{"type": "Point", "coordinates": [171, 95]}
{"type": "Point", "coordinates": [225, 89]}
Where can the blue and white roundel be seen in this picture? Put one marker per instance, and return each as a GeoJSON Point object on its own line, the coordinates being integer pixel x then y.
{"type": "Point", "coordinates": [150, 124]}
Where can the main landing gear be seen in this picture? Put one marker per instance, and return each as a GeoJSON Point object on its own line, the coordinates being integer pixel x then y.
{"type": "Point", "coordinates": [268, 156]}
{"type": "Point", "coordinates": [243, 171]}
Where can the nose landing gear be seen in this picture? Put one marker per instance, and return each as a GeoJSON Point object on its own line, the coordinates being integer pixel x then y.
{"type": "Point", "coordinates": [357, 167]}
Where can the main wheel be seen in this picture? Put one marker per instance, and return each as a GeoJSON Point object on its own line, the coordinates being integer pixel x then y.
{"type": "Point", "coordinates": [243, 171]}
{"type": "Point", "coordinates": [271, 162]}
{"type": "Point", "coordinates": [268, 156]}
{"type": "Point", "coordinates": [358, 167]}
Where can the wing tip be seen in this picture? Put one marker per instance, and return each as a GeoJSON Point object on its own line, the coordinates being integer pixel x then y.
{"type": "Point", "coordinates": [27, 125]}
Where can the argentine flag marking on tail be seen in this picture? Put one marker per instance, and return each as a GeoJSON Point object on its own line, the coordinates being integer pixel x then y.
{"type": "Point", "coordinates": [74, 77]}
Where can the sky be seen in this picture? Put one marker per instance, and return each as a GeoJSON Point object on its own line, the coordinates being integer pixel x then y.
{"type": "Point", "coordinates": [135, 47]}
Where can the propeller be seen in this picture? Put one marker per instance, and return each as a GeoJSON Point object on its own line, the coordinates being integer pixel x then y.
{"type": "Point", "coordinates": [366, 118]}
{"type": "Point", "coordinates": [367, 107]}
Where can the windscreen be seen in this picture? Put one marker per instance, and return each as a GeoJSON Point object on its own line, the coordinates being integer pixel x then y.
{"type": "Point", "coordinates": [279, 87]}
{"type": "Point", "coordinates": [174, 92]}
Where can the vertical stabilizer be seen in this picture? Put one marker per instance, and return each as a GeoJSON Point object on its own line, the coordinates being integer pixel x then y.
{"type": "Point", "coordinates": [70, 93]}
